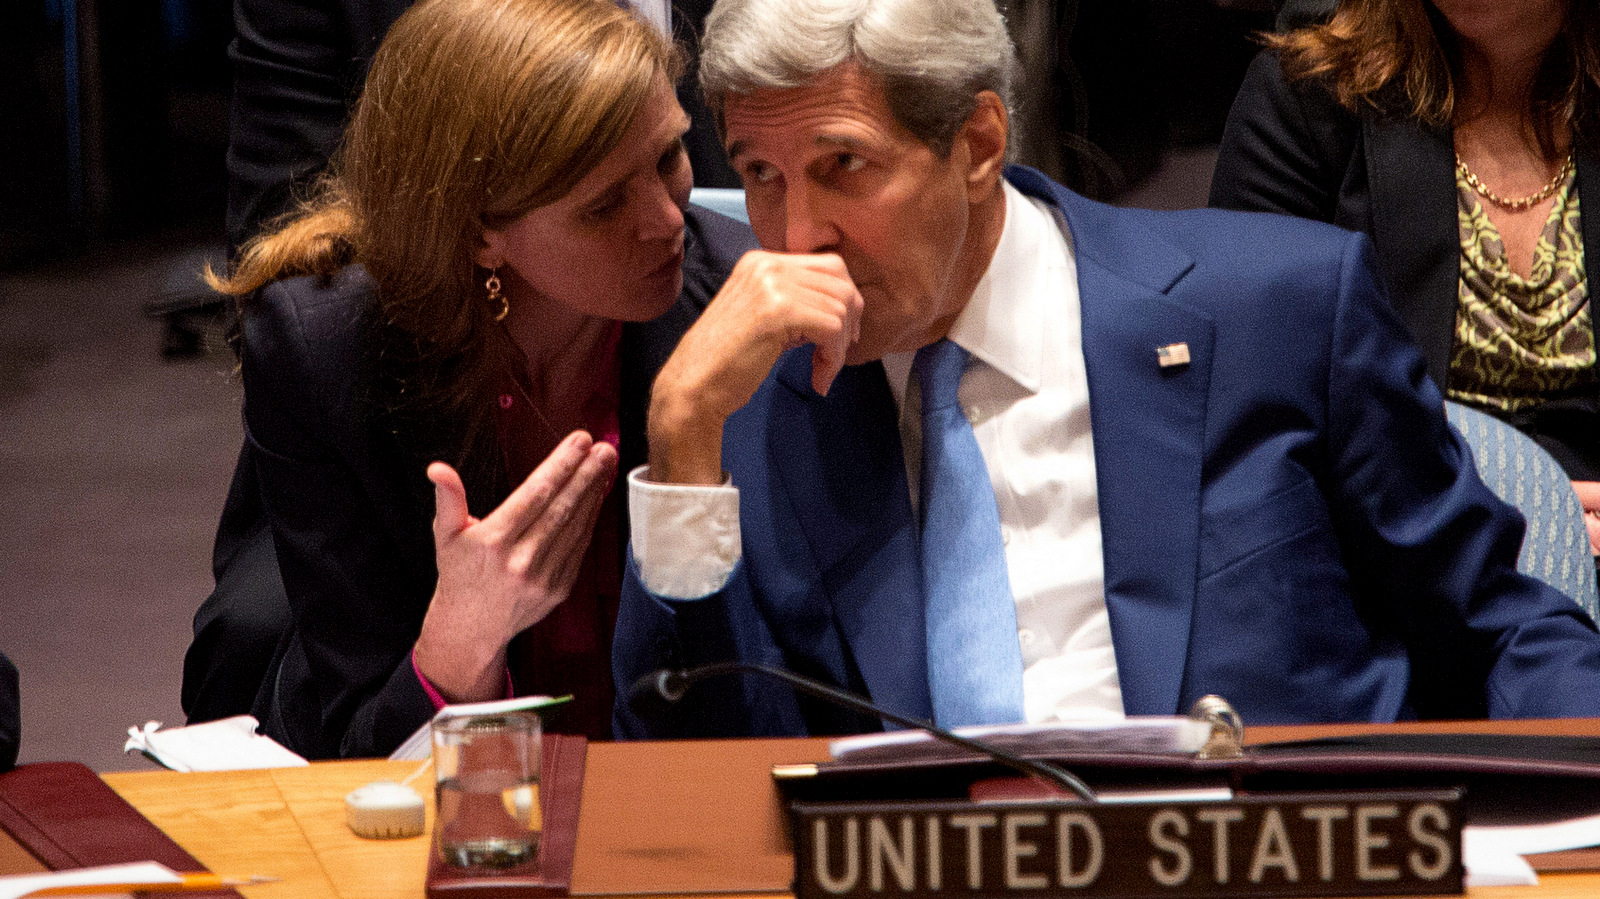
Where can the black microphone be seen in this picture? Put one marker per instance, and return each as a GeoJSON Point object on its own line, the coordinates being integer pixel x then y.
{"type": "Point", "coordinates": [671, 685]}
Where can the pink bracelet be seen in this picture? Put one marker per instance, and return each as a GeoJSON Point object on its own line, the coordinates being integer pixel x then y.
{"type": "Point", "coordinates": [436, 697]}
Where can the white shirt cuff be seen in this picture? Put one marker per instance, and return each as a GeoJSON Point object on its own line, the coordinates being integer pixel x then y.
{"type": "Point", "coordinates": [685, 536]}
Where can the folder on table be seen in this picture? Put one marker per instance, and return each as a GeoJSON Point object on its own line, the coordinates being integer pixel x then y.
{"type": "Point", "coordinates": [62, 815]}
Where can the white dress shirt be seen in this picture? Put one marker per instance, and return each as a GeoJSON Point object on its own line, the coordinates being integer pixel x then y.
{"type": "Point", "coordinates": [1027, 396]}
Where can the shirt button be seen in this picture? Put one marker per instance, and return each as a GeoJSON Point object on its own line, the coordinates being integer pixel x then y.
{"type": "Point", "coordinates": [1005, 536]}
{"type": "Point", "coordinates": [507, 400]}
{"type": "Point", "coordinates": [974, 415]}
{"type": "Point", "coordinates": [1025, 636]}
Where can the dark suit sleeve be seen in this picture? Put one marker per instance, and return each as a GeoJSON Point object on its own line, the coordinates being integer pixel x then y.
{"type": "Point", "coordinates": [343, 684]}
{"type": "Point", "coordinates": [238, 627]}
{"type": "Point", "coordinates": [1435, 547]}
{"type": "Point", "coordinates": [290, 89]}
{"type": "Point", "coordinates": [297, 66]}
{"type": "Point", "coordinates": [654, 632]}
{"type": "Point", "coordinates": [1293, 14]}
{"type": "Point", "coordinates": [10, 714]}
{"type": "Point", "coordinates": [1286, 148]}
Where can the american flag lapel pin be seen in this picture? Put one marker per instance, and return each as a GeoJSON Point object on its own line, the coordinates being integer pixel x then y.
{"type": "Point", "coordinates": [1173, 354]}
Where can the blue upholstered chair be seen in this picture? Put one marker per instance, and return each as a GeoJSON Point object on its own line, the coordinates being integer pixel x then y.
{"type": "Point", "coordinates": [728, 201]}
{"type": "Point", "coordinates": [1555, 548]}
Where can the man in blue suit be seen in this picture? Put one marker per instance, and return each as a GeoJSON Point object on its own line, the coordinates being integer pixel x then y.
{"type": "Point", "coordinates": [987, 451]}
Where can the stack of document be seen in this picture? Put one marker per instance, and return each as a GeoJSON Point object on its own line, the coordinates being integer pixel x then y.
{"type": "Point", "coordinates": [1137, 735]}
{"type": "Point", "coordinates": [230, 744]}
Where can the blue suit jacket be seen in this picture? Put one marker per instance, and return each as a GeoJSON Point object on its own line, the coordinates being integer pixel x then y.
{"type": "Point", "coordinates": [1287, 520]}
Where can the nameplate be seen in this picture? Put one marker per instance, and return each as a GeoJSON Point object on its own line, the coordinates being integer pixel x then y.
{"type": "Point", "coordinates": [1345, 844]}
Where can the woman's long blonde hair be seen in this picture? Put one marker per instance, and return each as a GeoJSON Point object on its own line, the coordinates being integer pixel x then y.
{"type": "Point", "coordinates": [473, 113]}
{"type": "Point", "coordinates": [1371, 45]}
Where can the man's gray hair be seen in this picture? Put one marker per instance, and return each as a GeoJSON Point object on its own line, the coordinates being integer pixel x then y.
{"type": "Point", "coordinates": [934, 56]}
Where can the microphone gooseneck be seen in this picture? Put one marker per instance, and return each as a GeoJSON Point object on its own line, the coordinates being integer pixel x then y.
{"type": "Point", "coordinates": [671, 685]}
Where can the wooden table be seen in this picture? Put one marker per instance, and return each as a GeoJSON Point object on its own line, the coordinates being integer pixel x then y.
{"type": "Point", "coordinates": [646, 811]}
{"type": "Point", "coordinates": [286, 822]}
{"type": "Point", "coordinates": [691, 817]}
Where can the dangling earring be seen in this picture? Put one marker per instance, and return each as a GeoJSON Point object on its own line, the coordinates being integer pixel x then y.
{"type": "Point", "coordinates": [495, 296]}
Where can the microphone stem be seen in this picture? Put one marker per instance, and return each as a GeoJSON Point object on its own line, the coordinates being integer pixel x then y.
{"type": "Point", "coordinates": [1045, 771]}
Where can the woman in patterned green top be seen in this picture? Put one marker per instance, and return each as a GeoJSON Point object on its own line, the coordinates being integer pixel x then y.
{"type": "Point", "coordinates": [1459, 134]}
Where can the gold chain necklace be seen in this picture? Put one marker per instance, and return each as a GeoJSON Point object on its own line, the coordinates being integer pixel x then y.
{"type": "Point", "coordinates": [1516, 204]}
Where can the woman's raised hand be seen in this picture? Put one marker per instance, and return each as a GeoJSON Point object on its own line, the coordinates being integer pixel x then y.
{"type": "Point", "coordinates": [501, 574]}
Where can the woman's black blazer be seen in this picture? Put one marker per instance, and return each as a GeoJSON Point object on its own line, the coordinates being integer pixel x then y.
{"type": "Point", "coordinates": [345, 501]}
{"type": "Point", "coordinates": [1291, 148]}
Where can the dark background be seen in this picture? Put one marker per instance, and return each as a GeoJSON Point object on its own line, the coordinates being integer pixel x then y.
{"type": "Point", "coordinates": [119, 133]}
{"type": "Point", "coordinates": [113, 116]}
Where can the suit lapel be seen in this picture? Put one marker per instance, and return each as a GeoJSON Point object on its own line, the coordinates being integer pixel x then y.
{"type": "Point", "coordinates": [1589, 173]}
{"type": "Point", "coordinates": [1149, 437]}
{"type": "Point", "coordinates": [1410, 172]}
{"type": "Point", "coordinates": [840, 462]}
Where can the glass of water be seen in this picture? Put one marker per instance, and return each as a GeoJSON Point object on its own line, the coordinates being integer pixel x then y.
{"type": "Point", "coordinates": [487, 790]}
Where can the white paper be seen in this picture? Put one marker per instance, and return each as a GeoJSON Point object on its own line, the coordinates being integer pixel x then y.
{"type": "Point", "coordinates": [1487, 867]}
{"type": "Point", "coordinates": [419, 745]}
{"type": "Point", "coordinates": [1215, 792]}
{"type": "Point", "coordinates": [18, 885]}
{"type": "Point", "coordinates": [230, 744]}
{"type": "Point", "coordinates": [1137, 734]}
{"type": "Point", "coordinates": [1493, 855]}
{"type": "Point", "coordinates": [1528, 839]}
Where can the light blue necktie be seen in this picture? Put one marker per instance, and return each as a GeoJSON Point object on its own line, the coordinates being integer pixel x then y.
{"type": "Point", "coordinates": [974, 660]}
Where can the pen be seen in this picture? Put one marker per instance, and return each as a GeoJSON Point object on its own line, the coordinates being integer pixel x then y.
{"type": "Point", "coordinates": [188, 883]}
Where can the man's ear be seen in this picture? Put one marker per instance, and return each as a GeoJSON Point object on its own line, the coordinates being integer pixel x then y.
{"type": "Point", "coordinates": [985, 136]}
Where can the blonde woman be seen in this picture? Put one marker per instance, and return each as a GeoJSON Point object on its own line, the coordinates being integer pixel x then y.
{"type": "Point", "coordinates": [445, 353]}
